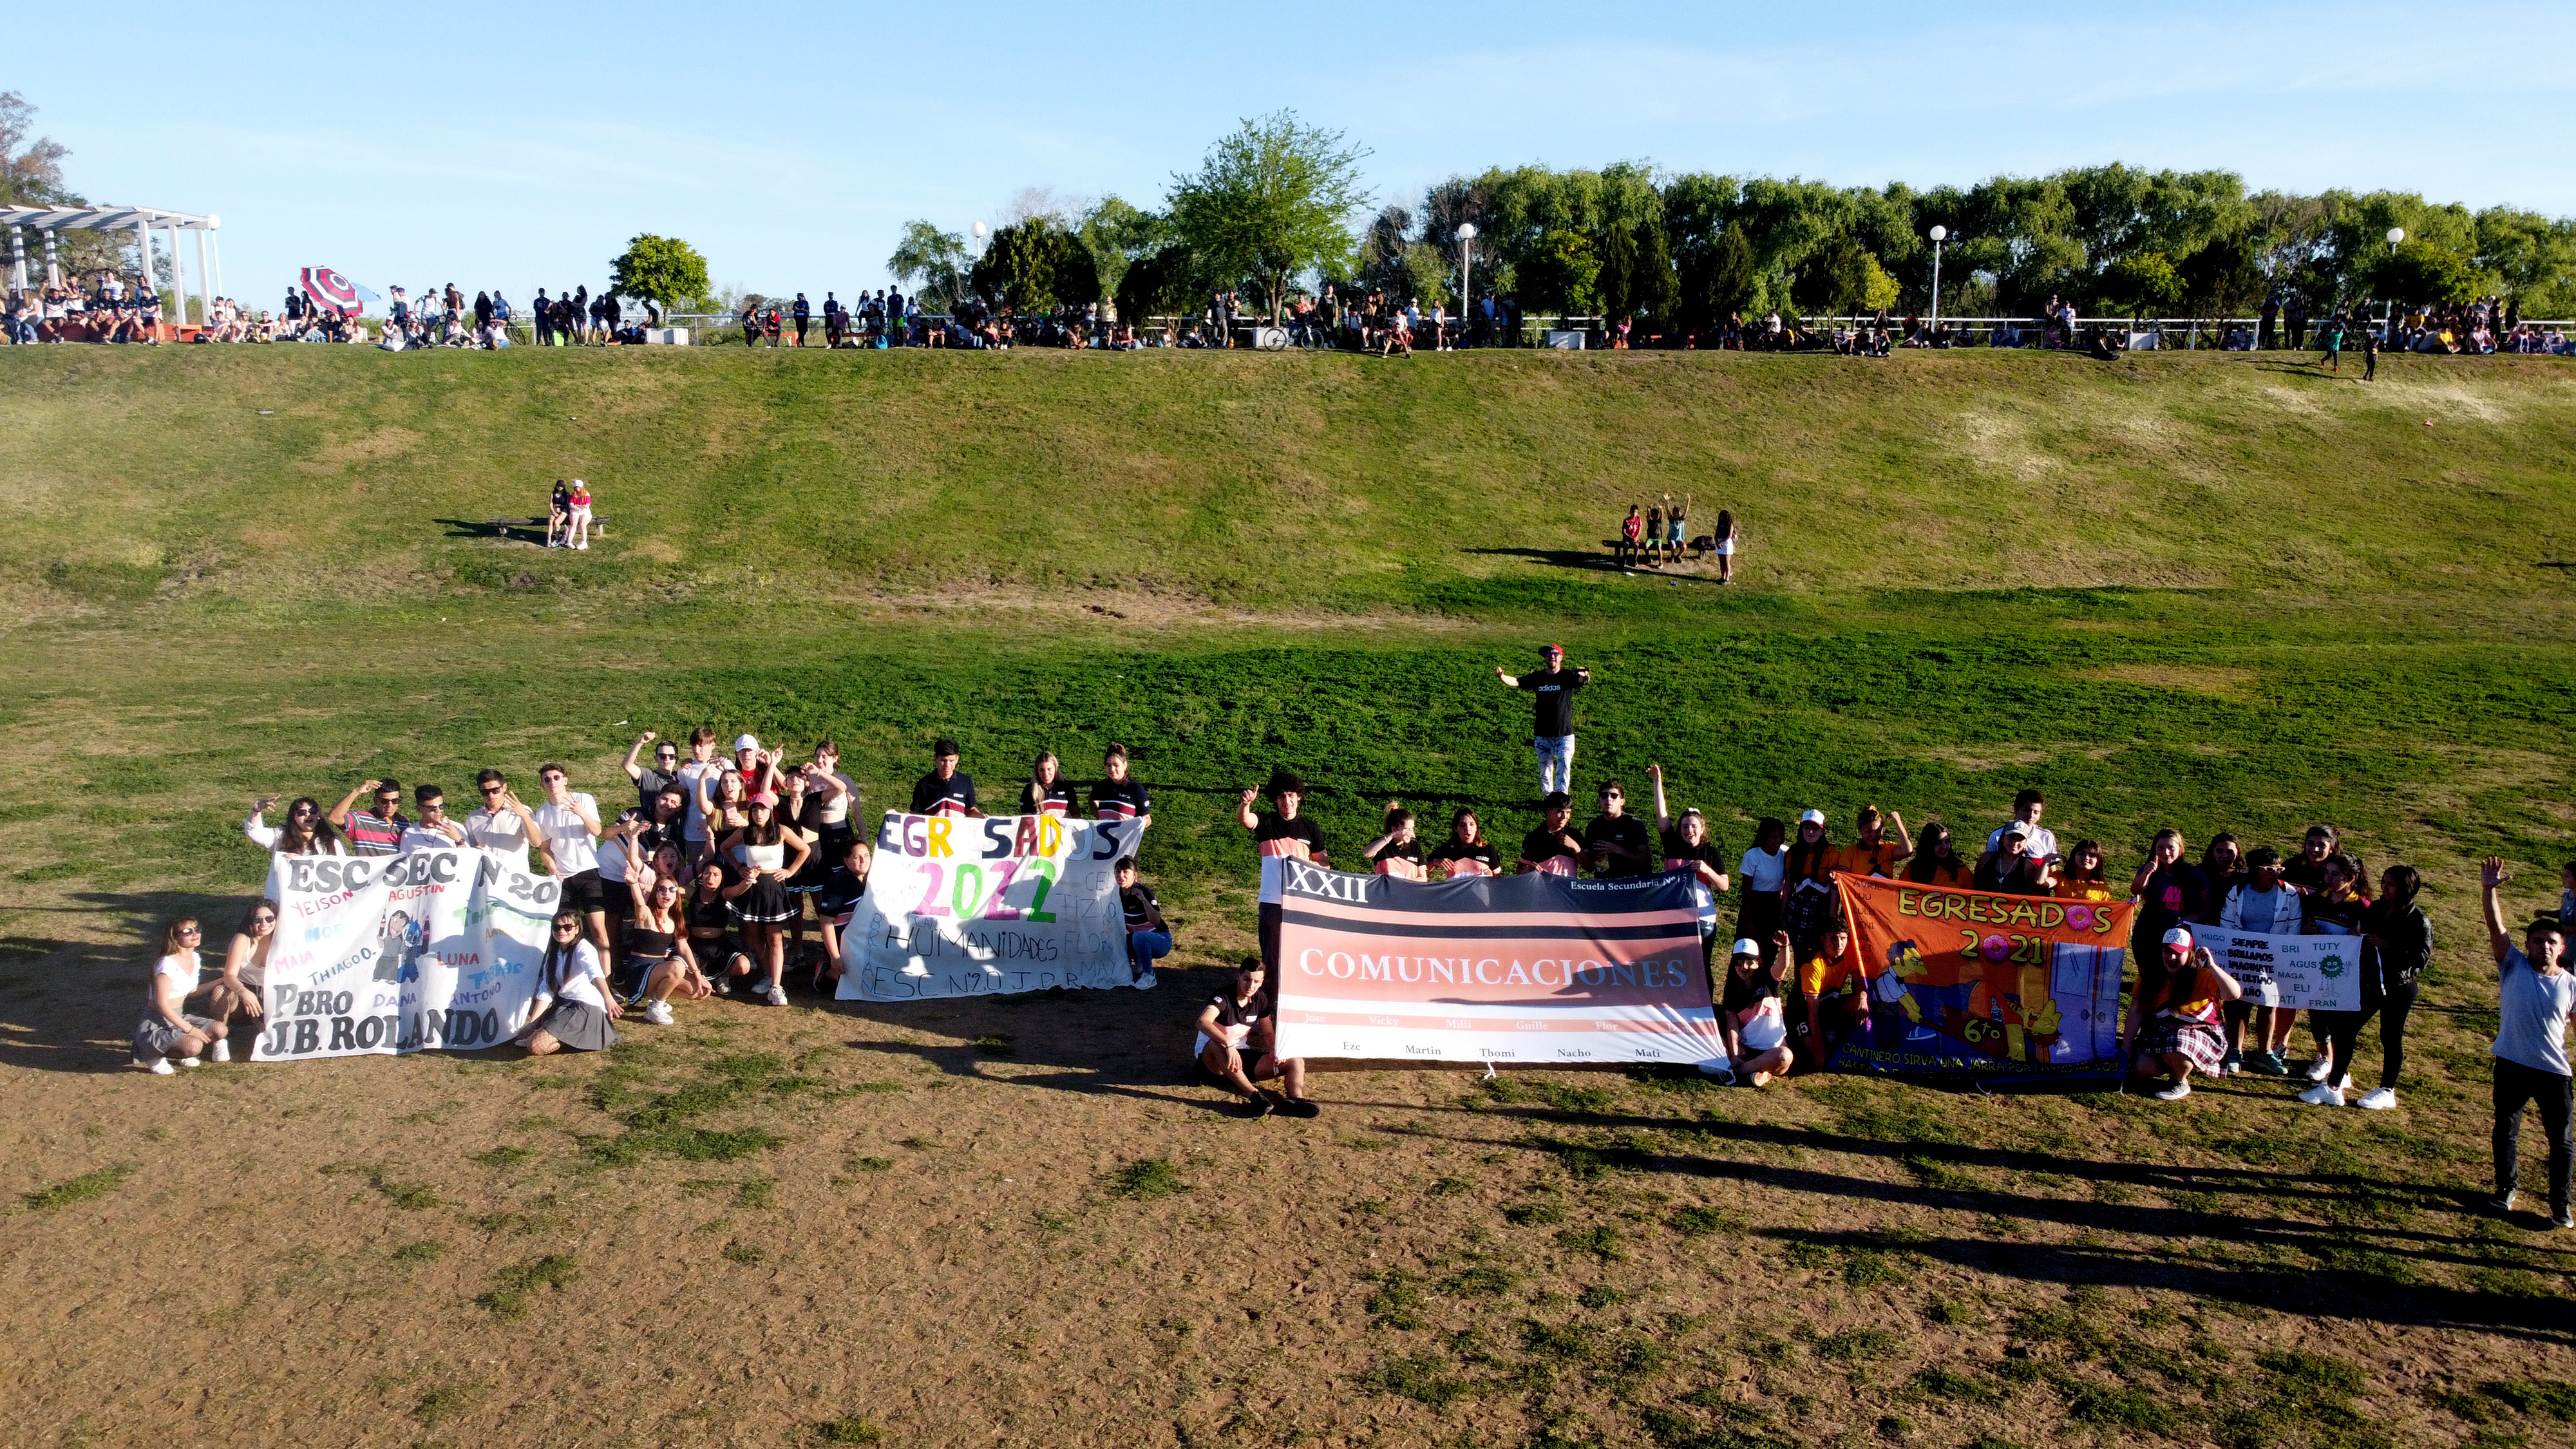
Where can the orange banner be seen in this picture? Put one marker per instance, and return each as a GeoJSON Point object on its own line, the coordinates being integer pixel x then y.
{"type": "Point", "coordinates": [1977, 983]}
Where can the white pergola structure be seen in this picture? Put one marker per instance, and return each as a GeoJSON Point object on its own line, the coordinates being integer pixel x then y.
{"type": "Point", "coordinates": [140, 220]}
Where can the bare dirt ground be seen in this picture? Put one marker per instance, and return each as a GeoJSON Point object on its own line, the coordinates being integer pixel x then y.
{"type": "Point", "coordinates": [1017, 1221]}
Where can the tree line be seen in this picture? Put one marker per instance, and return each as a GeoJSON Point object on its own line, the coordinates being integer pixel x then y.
{"type": "Point", "coordinates": [1277, 207]}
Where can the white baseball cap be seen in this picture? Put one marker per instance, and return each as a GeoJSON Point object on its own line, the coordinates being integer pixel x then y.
{"type": "Point", "coordinates": [1812, 817]}
{"type": "Point", "coordinates": [747, 742]}
{"type": "Point", "coordinates": [1747, 946]}
{"type": "Point", "coordinates": [2178, 937]}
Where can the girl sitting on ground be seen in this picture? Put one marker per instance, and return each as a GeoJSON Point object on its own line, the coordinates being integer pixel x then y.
{"type": "Point", "coordinates": [579, 1015]}
{"type": "Point", "coordinates": [167, 1032]}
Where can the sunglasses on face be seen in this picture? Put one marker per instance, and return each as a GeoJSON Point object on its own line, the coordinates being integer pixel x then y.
{"type": "Point", "coordinates": [567, 930]}
{"type": "Point", "coordinates": [492, 789]}
{"type": "Point", "coordinates": [263, 920]}
{"type": "Point", "coordinates": [190, 931]}
{"type": "Point", "coordinates": [301, 812]}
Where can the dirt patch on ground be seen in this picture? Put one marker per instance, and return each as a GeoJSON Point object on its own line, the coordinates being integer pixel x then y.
{"type": "Point", "coordinates": [2197, 678]}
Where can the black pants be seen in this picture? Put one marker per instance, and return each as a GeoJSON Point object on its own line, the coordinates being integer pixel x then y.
{"type": "Point", "coordinates": [2515, 1086]}
{"type": "Point", "coordinates": [2390, 1007]}
{"type": "Point", "coordinates": [1270, 918]}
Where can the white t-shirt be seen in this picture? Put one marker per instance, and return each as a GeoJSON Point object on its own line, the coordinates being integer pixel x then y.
{"type": "Point", "coordinates": [498, 830]}
{"type": "Point", "coordinates": [1765, 1028]}
{"type": "Point", "coordinates": [578, 983]}
{"type": "Point", "coordinates": [568, 835]}
{"type": "Point", "coordinates": [182, 964]}
{"type": "Point", "coordinates": [2046, 838]}
{"type": "Point", "coordinates": [1762, 870]}
{"type": "Point", "coordinates": [417, 836]}
{"type": "Point", "coordinates": [690, 774]}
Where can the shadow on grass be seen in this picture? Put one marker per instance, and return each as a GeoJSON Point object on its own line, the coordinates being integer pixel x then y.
{"type": "Point", "coordinates": [1598, 561]}
{"type": "Point", "coordinates": [71, 1006]}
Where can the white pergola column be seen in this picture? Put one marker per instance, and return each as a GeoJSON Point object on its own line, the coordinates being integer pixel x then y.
{"type": "Point", "coordinates": [17, 258]}
{"type": "Point", "coordinates": [53, 261]}
{"type": "Point", "coordinates": [143, 238]}
{"type": "Point", "coordinates": [205, 280]}
{"type": "Point", "coordinates": [213, 226]}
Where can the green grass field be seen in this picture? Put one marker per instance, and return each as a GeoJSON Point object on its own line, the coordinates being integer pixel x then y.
{"type": "Point", "coordinates": [2213, 592]}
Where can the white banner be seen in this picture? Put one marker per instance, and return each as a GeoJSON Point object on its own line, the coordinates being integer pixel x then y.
{"type": "Point", "coordinates": [374, 954]}
{"type": "Point", "coordinates": [976, 907]}
{"type": "Point", "coordinates": [2304, 973]}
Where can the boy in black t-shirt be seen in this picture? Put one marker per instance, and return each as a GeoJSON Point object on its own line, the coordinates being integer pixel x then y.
{"type": "Point", "coordinates": [945, 790]}
{"type": "Point", "coordinates": [1553, 847]}
{"type": "Point", "coordinates": [1236, 1032]}
{"type": "Point", "coordinates": [1281, 835]}
{"type": "Point", "coordinates": [1552, 722]}
{"type": "Point", "coordinates": [1617, 843]}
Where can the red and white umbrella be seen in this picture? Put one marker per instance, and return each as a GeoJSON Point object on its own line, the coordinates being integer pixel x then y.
{"type": "Point", "coordinates": [329, 289]}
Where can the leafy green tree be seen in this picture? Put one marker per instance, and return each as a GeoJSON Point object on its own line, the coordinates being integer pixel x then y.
{"type": "Point", "coordinates": [659, 271]}
{"type": "Point", "coordinates": [2422, 273]}
{"type": "Point", "coordinates": [2222, 278]}
{"type": "Point", "coordinates": [1116, 233]}
{"type": "Point", "coordinates": [1036, 265]}
{"type": "Point", "coordinates": [2144, 283]}
{"type": "Point", "coordinates": [1271, 200]}
{"type": "Point", "coordinates": [1559, 276]}
{"type": "Point", "coordinates": [1162, 283]}
{"type": "Point", "coordinates": [932, 262]}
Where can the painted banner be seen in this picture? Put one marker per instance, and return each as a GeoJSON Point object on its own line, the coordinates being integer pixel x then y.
{"type": "Point", "coordinates": [960, 906]}
{"type": "Point", "coordinates": [2304, 973]}
{"type": "Point", "coordinates": [437, 949]}
{"type": "Point", "coordinates": [1970, 983]}
{"type": "Point", "coordinates": [1515, 968]}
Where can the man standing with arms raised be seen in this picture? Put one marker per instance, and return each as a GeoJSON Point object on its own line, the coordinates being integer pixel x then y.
{"type": "Point", "coordinates": [1552, 736]}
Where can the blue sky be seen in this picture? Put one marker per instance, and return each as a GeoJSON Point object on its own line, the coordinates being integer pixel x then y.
{"type": "Point", "coordinates": [520, 145]}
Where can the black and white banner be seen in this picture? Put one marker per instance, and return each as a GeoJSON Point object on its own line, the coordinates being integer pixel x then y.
{"type": "Point", "coordinates": [437, 949]}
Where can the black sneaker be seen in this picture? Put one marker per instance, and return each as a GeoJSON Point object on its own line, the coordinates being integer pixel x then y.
{"type": "Point", "coordinates": [1253, 1108]}
{"type": "Point", "coordinates": [1301, 1107]}
{"type": "Point", "coordinates": [2561, 1218]}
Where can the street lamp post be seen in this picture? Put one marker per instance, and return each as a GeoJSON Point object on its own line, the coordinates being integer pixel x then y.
{"type": "Point", "coordinates": [1939, 235]}
{"type": "Point", "coordinates": [1466, 261]}
{"type": "Point", "coordinates": [2388, 306]}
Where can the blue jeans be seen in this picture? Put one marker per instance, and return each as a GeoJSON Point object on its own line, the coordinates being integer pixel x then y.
{"type": "Point", "coordinates": [1144, 948]}
{"type": "Point", "coordinates": [1555, 763]}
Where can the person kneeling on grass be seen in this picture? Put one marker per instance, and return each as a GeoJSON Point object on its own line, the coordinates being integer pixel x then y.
{"type": "Point", "coordinates": [2183, 1032]}
{"type": "Point", "coordinates": [2534, 994]}
{"type": "Point", "coordinates": [572, 973]}
{"type": "Point", "coordinates": [167, 1030]}
{"type": "Point", "coordinates": [1749, 1020]}
{"type": "Point", "coordinates": [1832, 985]}
{"type": "Point", "coordinates": [1237, 1027]}
{"type": "Point", "coordinates": [658, 960]}
{"type": "Point", "coordinates": [710, 919]}
{"type": "Point", "coordinates": [1148, 938]}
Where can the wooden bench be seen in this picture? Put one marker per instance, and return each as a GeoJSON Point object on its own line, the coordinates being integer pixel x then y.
{"type": "Point", "coordinates": [511, 527]}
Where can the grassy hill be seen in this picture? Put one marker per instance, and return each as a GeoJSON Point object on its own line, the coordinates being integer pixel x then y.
{"type": "Point", "coordinates": [2218, 592]}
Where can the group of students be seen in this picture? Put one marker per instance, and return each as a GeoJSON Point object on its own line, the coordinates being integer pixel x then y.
{"type": "Point", "coordinates": [704, 887]}
{"type": "Point", "coordinates": [1662, 536]}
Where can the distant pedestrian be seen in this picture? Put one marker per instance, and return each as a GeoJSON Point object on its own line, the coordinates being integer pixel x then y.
{"type": "Point", "coordinates": [578, 502]}
{"type": "Point", "coordinates": [2369, 355]}
{"type": "Point", "coordinates": [804, 314]}
{"type": "Point", "coordinates": [1552, 732]}
{"type": "Point", "coordinates": [1723, 540]}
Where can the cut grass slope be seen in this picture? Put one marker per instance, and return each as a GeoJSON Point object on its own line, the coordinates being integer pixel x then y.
{"type": "Point", "coordinates": [1275, 483]}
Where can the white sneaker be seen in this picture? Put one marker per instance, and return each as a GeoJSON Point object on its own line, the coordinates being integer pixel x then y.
{"type": "Point", "coordinates": [2378, 1099]}
{"type": "Point", "coordinates": [774, 994]}
{"type": "Point", "coordinates": [158, 1066]}
{"type": "Point", "coordinates": [2322, 1095]}
{"type": "Point", "coordinates": [657, 1013]}
{"type": "Point", "coordinates": [223, 1051]}
{"type": "Point", "coordinates": [192, 1061]}
{"type": "Point", "coordinates": [2320, 1069]}
{"type": "Point", "coordinates": [2175, 1093]}
{"type": "Point", "coordinates": [1145, 980]}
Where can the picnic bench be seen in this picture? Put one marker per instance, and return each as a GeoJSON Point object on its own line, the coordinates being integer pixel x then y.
{"type": "Point", "coordinates": [535, 527]}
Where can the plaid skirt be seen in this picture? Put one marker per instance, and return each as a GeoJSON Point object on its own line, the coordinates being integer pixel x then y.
{"type": "Point", "coordinates": [2199, 1042]}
